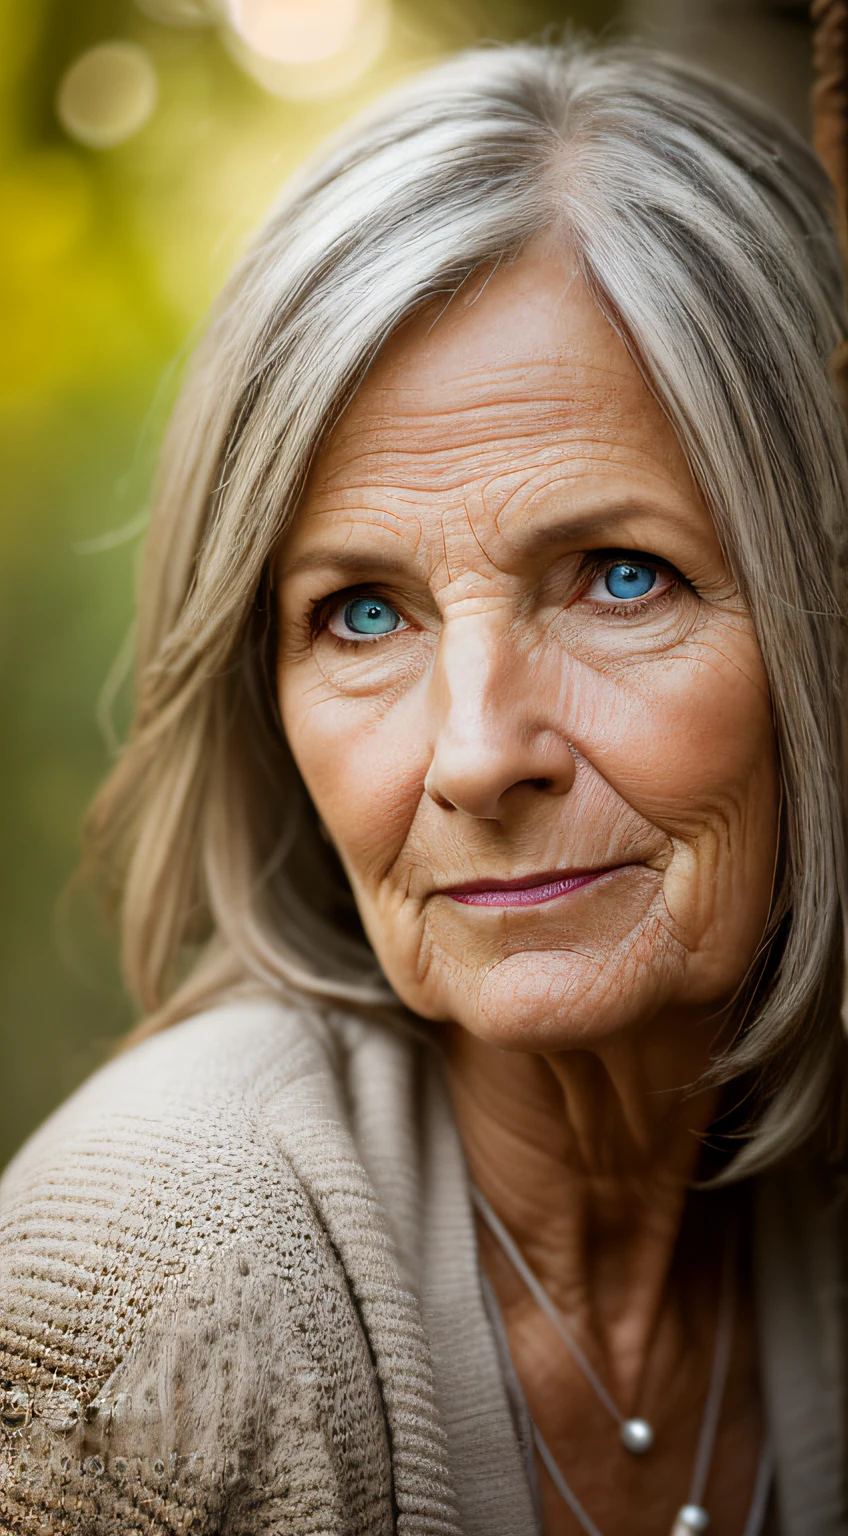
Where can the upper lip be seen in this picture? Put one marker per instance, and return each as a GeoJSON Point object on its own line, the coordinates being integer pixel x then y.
{"type": "Point", "coordinates": [524, 882]}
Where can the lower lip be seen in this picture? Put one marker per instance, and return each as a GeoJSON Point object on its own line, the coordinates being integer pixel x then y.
{"type": "Point", "coordinates": [528, 896]}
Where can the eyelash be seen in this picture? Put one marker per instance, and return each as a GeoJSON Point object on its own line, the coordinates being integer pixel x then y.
{"type": "Point", "coordinates": [636, 608]}
{"type": "Point", "coordinates": [321, 608]}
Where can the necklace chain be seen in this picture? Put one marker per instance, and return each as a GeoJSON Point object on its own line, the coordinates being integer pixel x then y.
{"type": "Point", "coordinates": [544, 1303]}
{"type": "Point", "coordinates": [692, 1517]}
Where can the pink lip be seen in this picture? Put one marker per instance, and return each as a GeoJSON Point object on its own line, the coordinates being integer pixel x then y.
{"type": "Point", "coordinates": [529, 891]}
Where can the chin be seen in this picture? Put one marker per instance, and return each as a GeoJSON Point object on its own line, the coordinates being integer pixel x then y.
{"type": "Point", "coordinates": [543, 1001]}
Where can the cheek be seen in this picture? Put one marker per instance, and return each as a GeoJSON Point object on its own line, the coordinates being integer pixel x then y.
{"type": "Point", "coordinates": [360, 764]}
{"type": "Point", "coordinates": [681, 735]}
{"type": "Point", "coordinates": [692, 749]}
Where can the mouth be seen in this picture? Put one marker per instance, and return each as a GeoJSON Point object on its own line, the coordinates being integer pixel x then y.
{"type": "Point", "coordinates": [529, 890]}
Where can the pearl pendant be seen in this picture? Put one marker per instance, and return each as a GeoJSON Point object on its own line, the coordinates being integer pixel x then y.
{"type": "Point", "coordinates": [637, 1437]}
{"type": "Point", "coordinates": [691, 1518]}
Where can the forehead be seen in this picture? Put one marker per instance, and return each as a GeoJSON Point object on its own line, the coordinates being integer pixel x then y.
{"type": "Point", "coordinates": [516, 369]}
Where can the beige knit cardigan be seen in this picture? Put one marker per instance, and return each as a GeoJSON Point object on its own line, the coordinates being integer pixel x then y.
{"type": "Point", "coordinates": [239, 1296]}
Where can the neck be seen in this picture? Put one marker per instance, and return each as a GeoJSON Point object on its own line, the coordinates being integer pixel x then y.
{"type": "Point", "coordinates": [588, 1159]}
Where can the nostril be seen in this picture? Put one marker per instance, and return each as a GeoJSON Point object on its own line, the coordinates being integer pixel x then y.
{"type": "Point", "coordinates": [440, 800]}
{"type": "Point", "coordinates": [540, 783]}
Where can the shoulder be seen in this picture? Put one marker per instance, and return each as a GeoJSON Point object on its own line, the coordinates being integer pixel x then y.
{"type": "Point", "coordinates": [155, 1112]}
{"type": "Point", "coordinates": [164, 1278]}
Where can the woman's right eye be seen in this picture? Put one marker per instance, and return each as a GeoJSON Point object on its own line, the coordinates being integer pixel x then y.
{"type": "Point", "coordinates": [364, 618]}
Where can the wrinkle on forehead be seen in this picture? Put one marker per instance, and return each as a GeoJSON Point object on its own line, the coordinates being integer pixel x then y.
{"type": "Point", "coordinates": [527, 372]}
{"type": "Point", "coordinates": [505, 444]}
{"type": "Point", "coordinates": [431, 443]}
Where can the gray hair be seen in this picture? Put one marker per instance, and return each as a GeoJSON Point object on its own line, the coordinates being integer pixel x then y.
{"type": "Point", "coordinates": [701, 223]}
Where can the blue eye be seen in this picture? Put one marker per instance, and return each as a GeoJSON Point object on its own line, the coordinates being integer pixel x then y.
{"type": "Point", "coordinates": [370, 616]}
{"type": "Point", "coordinates": [625, 580]}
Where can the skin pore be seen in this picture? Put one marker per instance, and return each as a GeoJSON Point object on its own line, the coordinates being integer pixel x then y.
{"type": "Point", "coordinates": [511, 652]}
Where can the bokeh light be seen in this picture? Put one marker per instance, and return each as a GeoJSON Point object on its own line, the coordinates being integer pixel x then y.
{"type": "Point", "coordinates": [297, 31]}
{"type": "Point", "coordinates": [107, 94]}
{"type": "Point", "coordinates": [323, 60]}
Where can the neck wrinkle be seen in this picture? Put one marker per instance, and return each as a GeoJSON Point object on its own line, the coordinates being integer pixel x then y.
{"type": "Point", "coordinates": [590, 1172]}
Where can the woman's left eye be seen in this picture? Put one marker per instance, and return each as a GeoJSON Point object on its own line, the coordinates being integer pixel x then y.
{"type": "Point", "coordinates": [364, 618]}
{"type": "Point", "coordinates": [628, 581]}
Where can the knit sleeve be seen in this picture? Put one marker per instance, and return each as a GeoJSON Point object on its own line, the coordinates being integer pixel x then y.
{"type": "Point", "coordinates": [180, 1354]}
{"type": "Point", "coordinates": [101, 1426]}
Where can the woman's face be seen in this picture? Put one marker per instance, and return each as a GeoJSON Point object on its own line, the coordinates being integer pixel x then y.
{"type": "Point", "coordinates": [520, 685]}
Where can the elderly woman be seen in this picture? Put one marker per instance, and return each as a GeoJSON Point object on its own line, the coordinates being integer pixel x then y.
{"type": "Point", "coordinates": [481, 852]}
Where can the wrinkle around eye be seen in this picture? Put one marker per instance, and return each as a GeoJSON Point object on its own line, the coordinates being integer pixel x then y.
{"type": "Point", "coordinates": [362, 667]}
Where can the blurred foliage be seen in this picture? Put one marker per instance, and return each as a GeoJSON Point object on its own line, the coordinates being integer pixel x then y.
{"type": "Point", "coordinates": [108, 261]}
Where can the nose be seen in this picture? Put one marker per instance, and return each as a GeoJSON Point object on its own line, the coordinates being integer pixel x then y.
{"type": "Point", "coordinates": [498, 722]}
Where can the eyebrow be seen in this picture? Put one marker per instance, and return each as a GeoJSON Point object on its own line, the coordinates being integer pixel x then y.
{"type": "Point", "coordinates": [584, 527]}
{"type": "Point", "coordinates": [581, 530]}
{"type": "Point", "coordinates": [345, 560]}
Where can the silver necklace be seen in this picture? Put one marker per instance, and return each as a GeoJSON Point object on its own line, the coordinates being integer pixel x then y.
{"type": "Point", "coordinates": [637, 1434]}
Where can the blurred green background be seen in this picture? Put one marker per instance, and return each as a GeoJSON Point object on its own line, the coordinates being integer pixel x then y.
{"type": "Point", "coordinates": [129, 182]}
